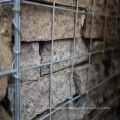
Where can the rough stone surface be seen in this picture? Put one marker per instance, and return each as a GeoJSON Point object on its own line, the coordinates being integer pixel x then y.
{"type": "Point", "coordinates": [3, 114]}
{"type": "Point", "coordinates": [97, 46]}
{"type": "Point", "coordinates": [62, 49]}
{"type": "Point", "coordinates": [81, 3]}
{"type": "Point", "coordinates": [99, 22]}
{"type": "Point", "coordinates": [35, 95]}
{"type": "Point", "coordinates": [39, 25]}
{"type": "Point", "coordinates": [113, 67]}
{"type": "Point", "coordinates": [81, 77]}
{"type": "Point", "coordinates": [77, 113]}
{"type": "Point", "coordinates": [30, 57]}
{"type": "Point", "coordinates": [101, 5]}
{"type": "Point", "coordinates": [5, 50]}
{"type": "Point", "coordinates": [110, 89]}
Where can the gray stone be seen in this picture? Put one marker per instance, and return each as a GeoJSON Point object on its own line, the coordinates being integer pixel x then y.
{"type": "Point", "coordinates": [99, 22]}
{"type": "Point", "coordinates": [35, 94]}
{"type": "Point", "coordinates": [81, 77]}
{"type": "Point", "coordinates": [77, 112]}
{"type": "Point", "coordinates": [110, 88]}
{"type": "Point", "coordinates": [101, 5]}
{"type": "Point", "coordinates": [30, 57]}
{"type": "Point", "coordinates": [115, 67]}
{"type": "Point", "coordinates": [39, 25]}
{"type": "Point", "coordinates": [62, 49]}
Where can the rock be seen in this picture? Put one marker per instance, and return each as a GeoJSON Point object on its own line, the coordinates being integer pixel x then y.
{"type": "Point", "coordinates": [81, 3]}
{"type": "Point", "coordinates": [99, 22]}
{"type": "Point", "coordinates": [62, 49]}
{"type": "Point", "coordinates": [3, 114]}
{"type": "Point", "coordinates": [81, 77]}
{"type": "Point", "coordinates": [113, 68]}
{"type": "Point", "coordinates": [30, 57]}
{"type": "Point", "coordinates": [39, 25]}
{"type": "Point", "coordinates": [110, 89]}
{"type": "Point", "coordinates": [77, 112]}
{"type": "Point", "coordinates": [5, 50]}
{"type": "Point", "coordinates": [80, 110]}
{"type": "Point", "coordinates": [101, 5]}
{"type": "Point", "coordinates": [35, 94]}
{"type": "Point", "coordinates": [97, 46]}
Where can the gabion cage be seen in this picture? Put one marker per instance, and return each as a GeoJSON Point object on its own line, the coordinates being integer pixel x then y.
{"type": "Point", "coordinates": [89, 92]}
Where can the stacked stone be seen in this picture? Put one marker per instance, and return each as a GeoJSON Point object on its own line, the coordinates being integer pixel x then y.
{"type": "Point", "coordinates": [36, 28]}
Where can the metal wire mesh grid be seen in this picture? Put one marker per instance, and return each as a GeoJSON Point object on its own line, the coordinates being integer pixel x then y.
{"type": "Point", "coordinates": [17, 50]}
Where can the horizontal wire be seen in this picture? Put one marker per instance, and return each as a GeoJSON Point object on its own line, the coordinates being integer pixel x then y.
{"type": "Point", "coordinates": [115, 99]}
{"type": "Point", "coordinates": [98, 85]}
{"type": "Point", "coordinates": [84, 55]}
{"type": "Point", "coordinates": [7, 72]}
{"type": "Point", "coordinates": [45, 64]}
{"type": "Point", "coordinates": [60, 8]}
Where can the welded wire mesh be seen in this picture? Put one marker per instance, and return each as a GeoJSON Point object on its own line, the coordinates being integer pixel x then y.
{"type": "Point", "coordinates": [17, 70]}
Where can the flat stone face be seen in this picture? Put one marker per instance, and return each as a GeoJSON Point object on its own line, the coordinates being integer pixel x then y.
{"type": "Point", "coordinates": [101, 5]}
{"type": "Point", "coordinates": [81, 77]}
{"type": "Point", "coordinates": [98, 27]}
{"type": "Point", "coordinates": [111, 89]}
{"type": "Point", "coordinates": [81, 3]}
{"type": "Point", "coordinates": [35, 95]}
{"type": "Point", "coordinates": [77, 113]}
{"type": "Point", "coordinates": [5, 50]}
{"type": "Point", "coordinates": [62, 49]}
{"type": "Point", "coordinates": [39, 25]}
{"type": "Point", "coordinates": [30, 57]}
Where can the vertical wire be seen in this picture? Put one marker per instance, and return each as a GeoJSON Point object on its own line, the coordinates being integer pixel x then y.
{"type": "Point", "coordinates": [17, 50]}
{"type": "Point", "coordinates": [73, 60]}
{"type": "Point", "coordinates": [112, 53]}
{"type": "Point", "coordinates": [114, 35]}
{"type": "Point", "coordinates": [113, 43]}
{"type": "Point", "coordinates": [104, 39]}
{"type": "Point", "coordinates": [52, 56]}
{"type": "Point", "coordinates": [87, 84]}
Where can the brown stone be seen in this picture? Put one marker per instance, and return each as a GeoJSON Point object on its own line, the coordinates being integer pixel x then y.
{"type": "Point", "coordinates": [30, 57]}
{"type": "Point", "coordinates": [81, 3]}
{"type": "Point", "coordinates": [98, 27]}
{"type": "Point", "coordinates": [3, 114]}
{"type": "Point", "coordinates": [39, 25]}
{"type": "Point", "coordinates": [62, 49]}
{"type": "Point", "coordinates": [81, 77]}
{"type": "Point", "coordinates": [36, 94]}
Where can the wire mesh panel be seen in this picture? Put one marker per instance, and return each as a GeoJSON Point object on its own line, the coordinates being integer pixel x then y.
{"type": "Point", "coordinates": [66, 59]}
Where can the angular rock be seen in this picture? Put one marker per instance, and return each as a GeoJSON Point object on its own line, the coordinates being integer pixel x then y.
{"type": "Point", "coordinates": [97, 46]}
{"type": "Point", "coordinates": [3, 114]}
{"type": "Point", "coordinates": [98, 27]}
{"type": "Point", "coordinates": [77, 112]}
{"type": "Point", "coordinates": [110, 89]}
{"type": "Point", "coordinates": [5, 50]}
{"type": "Point", "coordinates": [81, 77]}
{"type": "Point", "coordinates": [101, 5]}
{"type": "Point", "coordinates": [113, 67]}
{"type": "Point", "coordinates": [81, 3]}
{"type": "Point", "coordinates": [80, 110]}
{"type": "Point", "coordinates": [35, 94]}
{"type": "Point", "coordinates": [39, 25]}
{"type": "Point", "coordinates": [62, 49]}
{"type": "Point", "coordinates": [30, 57]}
